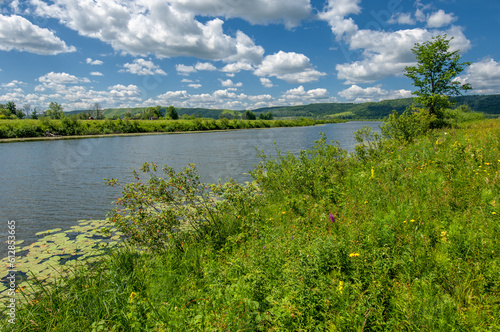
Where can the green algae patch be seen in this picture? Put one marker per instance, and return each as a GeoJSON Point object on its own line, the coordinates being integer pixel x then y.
{"type": "Point", "coordinates": [55, 254]}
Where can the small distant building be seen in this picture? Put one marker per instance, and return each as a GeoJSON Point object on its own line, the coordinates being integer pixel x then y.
{"type": "Point", "coordinates": [153, 118]}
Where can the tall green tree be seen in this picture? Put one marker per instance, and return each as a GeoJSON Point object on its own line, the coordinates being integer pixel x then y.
{"type": "Point", "coordinates": [172, 113]}
{"type": "Point", "coordinates": [435, 74]}
{"type": "Point", "coordinates": [249, 115]}
{"type": "Point", "coordinates": [55, 111]}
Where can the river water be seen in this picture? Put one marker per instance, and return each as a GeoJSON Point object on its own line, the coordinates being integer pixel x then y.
{"type": "Point", "coordinates": [52, 184]}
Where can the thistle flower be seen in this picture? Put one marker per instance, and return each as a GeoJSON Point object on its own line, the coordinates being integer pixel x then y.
{"type": "Point", "coordinates": [332, 218]}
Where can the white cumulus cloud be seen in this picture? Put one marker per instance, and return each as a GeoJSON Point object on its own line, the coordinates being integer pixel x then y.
{"type": "Point", "coordinates": [386, 54]}
{"type": "Point", "coordinates": [484, 76]}
{"type": "Point", "coordinates": [94, 62]}
{"type": "Point", "coordinates": [230, 84]}
{"type": "Point", "coordinates": [289, 12]}
{"type": "Point", "coordinates": [440, 19]}
{"type": "Point", "coordinates": [142, 67]}
{"type": "Point", "coordinates": [336, 14]}
{"type": "Point", "coordinates": [205, 66]}
{"type": "Point", "coordinates": [184, 70]}
{"type": "Point", "coordinates": [61, 78]}
{"type": "Point", "coordinates": [144, 27]}
{"type": "Point", "coordinates": [266, 82]}
{"type": "Point", "coordinates": [358, 94]}
{"type": "Point", "coordinates": [300, 96]}
{"type": "Point", "coordinates": [17, 33]}
{"type": "Point", "coordinates": [289, 66]}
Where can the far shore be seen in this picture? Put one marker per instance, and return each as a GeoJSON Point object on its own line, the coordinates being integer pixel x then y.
{"type": "Point", "coordinates": [61, 137]}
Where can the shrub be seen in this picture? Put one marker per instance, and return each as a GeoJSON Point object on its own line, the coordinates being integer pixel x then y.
{"type": "Point", "coordinates": [407, 126]}
{"type": "Point", "coordinates": [164, 213]}
{"type": "Point", "coordinates": [461, 114]}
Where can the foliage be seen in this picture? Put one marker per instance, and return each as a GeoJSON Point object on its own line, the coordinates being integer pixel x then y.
{"type": "Point", "coordinates": [435, 74]}
{"type": "Point", "coordinates": [74, 126]}
{"type": "Point", "coordinates": [55, 111]}
{"type": "Point", "coordinates": [405, 239]}
{"type": "Point", "coordinates": [266, 116]}
{"type": "Point", "coordinates": [166, 212]}
{"type": "Point", "coordinates": [172, 113]}
{"type": "Point", "coordinates": [248, 115]}
{"type": "Point", "coordinates": [412, 123]}
{"type": "Point", "coordinates": [459, 115]}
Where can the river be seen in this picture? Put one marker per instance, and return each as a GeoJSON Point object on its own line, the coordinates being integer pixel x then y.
{"type": "Point", "coordinates": [52, 184]}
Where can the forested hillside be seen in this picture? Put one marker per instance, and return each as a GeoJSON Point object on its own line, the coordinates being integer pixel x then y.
{"type": "Point", "coordinates": [487, 104]}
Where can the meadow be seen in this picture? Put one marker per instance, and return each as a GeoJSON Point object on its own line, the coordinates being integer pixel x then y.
{"type": "Point", "coordinates": [69, 126]}
{"type": "Point", "coordinates": [401, 236]}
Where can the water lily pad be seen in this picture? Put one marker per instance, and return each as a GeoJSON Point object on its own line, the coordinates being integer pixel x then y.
{"type": "Point", "coordinates": [48, 231]}
{"type": "Point", "coordinates": [54, 254]}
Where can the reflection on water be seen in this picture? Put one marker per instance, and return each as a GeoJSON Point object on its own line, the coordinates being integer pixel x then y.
{"type": "Point", "coordinates": [50, 184]}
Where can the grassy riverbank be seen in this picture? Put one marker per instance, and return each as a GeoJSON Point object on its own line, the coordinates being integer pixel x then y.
{"type": "Point", "coordinates": [402, 237]}
{"type": "Point", "coordinates": [72, 127]}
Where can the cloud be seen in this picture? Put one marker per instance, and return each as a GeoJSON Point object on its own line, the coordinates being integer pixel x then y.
{"type": "Point", "coordinates": [289, 12]}
{"type": "Point", "coordinates": [440, 19]}
{"type": "Point", "coordinates": [233, 68]}
{"type": "Point", "coordinates": [300, 96]}
{"type": "Point", "coordinates": [94, 62]}
{"type": "Point", "coordinates": [157, 27]}
{"type": "Point", "coordinates": [205, 66]}
{"type": "Point", "coordinates": [142, 67]}
{"type": "Point", "coordinates": [122, 92]}
{"type": "Point", "coordinates": [13, 84]}
{"type": "Point", "coordinates": [360, 95]}
{"type": "Point", "coordinates": [230, 84]}
{"type": "Point", "coordinates": [402, 18]}
{"type": "Point", "coordinates": [76, 96]}
{"type": "Point", "coordinates": [484, 76]}
{"type": "Point", "coordinates": [387, 54]}
{"type": "Point", "coordinates": [218, 99]}
{"type": "Point", "coordinates": [289, 66]}
{"type": "Point", "coordinates": [195, 86]}
{"type": "Point", "coordinates": [96, 73]}
{"type": "Point", "coordinates": [184, 70]}
{"type": "Point", "coordinates": [61, 78]}
{"type": "Point", "coordinates": [336, 13]}
{"type": "Point", "coordinates": [266, 82]}
{"type": "Point", "coordinates": [17, 33]}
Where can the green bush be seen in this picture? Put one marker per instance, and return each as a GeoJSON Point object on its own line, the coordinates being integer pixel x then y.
{"type": "Point", "coordinates": [407, 126]}
{"type": "Point", "coordinates": [166, 212]}
{"type": "Point", "coordinates": [459, 115]}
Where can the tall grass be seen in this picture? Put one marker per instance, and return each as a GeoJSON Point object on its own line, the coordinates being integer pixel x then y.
{"type": "Point", "coordinates": [402, 239]}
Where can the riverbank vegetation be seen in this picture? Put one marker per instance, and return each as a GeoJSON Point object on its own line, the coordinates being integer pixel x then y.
{"type": "Point", "coordinates": [69, 126]}
{"type": "Point", "coordinates": [403, 235]}
{"type": "Point", "coordinates": [400, 236]}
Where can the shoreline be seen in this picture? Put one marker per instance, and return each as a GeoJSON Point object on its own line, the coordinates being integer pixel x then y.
{"type": "Point", "coordinates": [71, 137]}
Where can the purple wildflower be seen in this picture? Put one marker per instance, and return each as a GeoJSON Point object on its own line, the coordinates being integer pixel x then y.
{"type": "Point", "coordinates": [332, 218]}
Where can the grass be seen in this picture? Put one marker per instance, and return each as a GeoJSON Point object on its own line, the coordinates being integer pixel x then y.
{"type": "Point", "coordinates": [405, 238]}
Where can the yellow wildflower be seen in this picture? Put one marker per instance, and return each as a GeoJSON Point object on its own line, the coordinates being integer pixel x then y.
{"type": "Point", "coordinates": [132, 296]}
{"type": "Point", "coordinates": [354, 254]}
{"type": "Point", "coordinates": [373, 174]}
{"type": "Point", "coordinates": [341, 286]}
{"type": "Point", "coordinates": [444, 235]}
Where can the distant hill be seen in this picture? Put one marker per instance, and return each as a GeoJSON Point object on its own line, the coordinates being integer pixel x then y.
{"type": "Point", "coordinates": [487, 104]}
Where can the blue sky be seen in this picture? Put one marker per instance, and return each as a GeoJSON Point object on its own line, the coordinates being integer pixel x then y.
{"type": "Point", "coordinates": [239, 54]}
